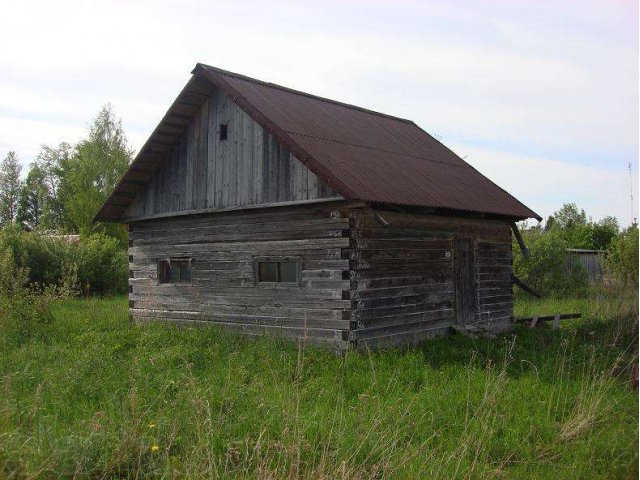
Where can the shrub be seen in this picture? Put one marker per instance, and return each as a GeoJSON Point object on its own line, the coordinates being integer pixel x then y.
{"type": "Point", "coordinates": [622, 258]}
{"type": "Point", "coordinates": [24, 311]}
{"type": "Point", "coordinates": [97, 264]}
{"type": "Point", "coordinates": [102, 264]}
{"type": "Point", "coordinates": [43, 257]}
{"type": "Point", "coordinates": [546, 268]}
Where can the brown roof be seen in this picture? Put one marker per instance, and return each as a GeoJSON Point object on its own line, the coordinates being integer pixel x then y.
{"type": "Point", "coordinates": [361, 154]}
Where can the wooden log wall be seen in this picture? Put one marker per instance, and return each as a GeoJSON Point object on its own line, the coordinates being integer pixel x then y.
{"type": "Point", "coordinates": [223, 288]}
{"type": "Point", "coordinates": [202, 171]}
{"type": "Point", "coordinates": [402, 279]}
{"type": "Point", "coordinates": [494, 267]}
{"type": "Point", "coordinates": [362, 283]}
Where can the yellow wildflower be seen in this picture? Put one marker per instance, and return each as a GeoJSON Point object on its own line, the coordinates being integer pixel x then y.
{"type": "Point", "coordinates": [155, 448]}
{"type": "Point", "coordinates": [152, 425]}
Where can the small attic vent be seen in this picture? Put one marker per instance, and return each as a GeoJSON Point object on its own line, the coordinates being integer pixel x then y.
{"type": "Point", "coordinates": [223, 131]}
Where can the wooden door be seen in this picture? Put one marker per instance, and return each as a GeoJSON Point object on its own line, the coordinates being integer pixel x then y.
{"type": "Point", "coordinates": [464, 280]}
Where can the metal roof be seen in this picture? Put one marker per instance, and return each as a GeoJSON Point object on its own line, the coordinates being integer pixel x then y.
{"type": "Point", "coordinates": [361, 154]}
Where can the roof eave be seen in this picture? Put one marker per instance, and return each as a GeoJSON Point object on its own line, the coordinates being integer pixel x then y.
{"type": "Point", "coordinates": [148, 157]}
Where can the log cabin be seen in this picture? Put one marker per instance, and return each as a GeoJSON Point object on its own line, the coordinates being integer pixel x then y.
{"type": "Point", "coordinates": [268, 210]}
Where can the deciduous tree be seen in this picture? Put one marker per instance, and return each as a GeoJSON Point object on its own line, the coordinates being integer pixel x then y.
{"type": "Point", "coordinates": [50, 161]}
{"type": "Point", "coordinates": [10, 186]}
{"type": "Point", "coordinates": [91, 173]}
{"type": "Point", "coordinates": [33, 198]}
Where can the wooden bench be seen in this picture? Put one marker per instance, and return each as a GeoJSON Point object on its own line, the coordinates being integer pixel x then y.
{"type": "Point", "coordinates": [539, 320]}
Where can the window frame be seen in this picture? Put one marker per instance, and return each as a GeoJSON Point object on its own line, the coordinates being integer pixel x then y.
{"type": "Point", "coordinates": [170, 260]}
{"type": "Point", "coordinates": [278, 260]}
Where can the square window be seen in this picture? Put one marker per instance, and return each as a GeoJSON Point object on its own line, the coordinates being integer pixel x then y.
{"type": "Point", "coordinates": [274, 270]}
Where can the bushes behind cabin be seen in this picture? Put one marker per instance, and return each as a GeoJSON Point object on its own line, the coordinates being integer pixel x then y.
{"type": "Point", "coordinates": [545, 270]}
{"type": "Point", "coordinates": [97, 264]}
{"type": "Point", "coordinates": [621, 260]}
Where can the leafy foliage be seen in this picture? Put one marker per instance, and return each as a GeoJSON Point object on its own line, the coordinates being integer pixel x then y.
{"type": "Point", "coordinates": [97, 264]}
{"type": "Point", "coordinates": [33, 198]}
{"type": "Point", "coordinates": [604, 232]}
{"type": "Point", "coordinates": [572, 225]}
{"type": "Point", "coordinates": [102, 264]}
{"type": "Point", "coordinates": [50, 161]}
{"type": "Point", "coordinates": [67, 184]}
{"type": "Point", "coordinates": [40, 255]}
{"type": "Point", "coordinates": [568, 217]}
{"type": "Point", "coordinates": [622, 257]}
{"type": "Point", "coordinates": [10, 186]}
{"type": "Point", "coordinates": [546, 268]}
{"type": "Point", "coordinates": [89, 175]}
{"type": "Point", "coordinates": [24, 311]}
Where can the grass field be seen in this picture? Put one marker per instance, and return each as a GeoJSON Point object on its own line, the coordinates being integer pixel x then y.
{"type": "Point", "coordinates": [91, 396]}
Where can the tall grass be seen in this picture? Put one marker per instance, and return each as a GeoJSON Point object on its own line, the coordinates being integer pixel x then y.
{"type": "Point", "coordinates": [93, 396]}
{"type": "Point", "coordinates": [616, 309]}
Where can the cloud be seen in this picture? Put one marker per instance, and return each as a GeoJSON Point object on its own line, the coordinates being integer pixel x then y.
{"type": "Point", "coordinates": [531, 81]}
{"type": "Point", "coordinates": [545, 184]}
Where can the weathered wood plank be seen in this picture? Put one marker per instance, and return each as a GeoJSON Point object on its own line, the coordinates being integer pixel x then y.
{"type": "Point", "coordinates": [212, 146]}
{"type": "Point", "coordinates": [222, 158]}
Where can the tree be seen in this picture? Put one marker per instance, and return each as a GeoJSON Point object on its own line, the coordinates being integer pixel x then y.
{"type": "Point", "coordinates": [604, 232]}
{"type": "Point", "coordinates": [91, 173]}
{"type": "Point", "coordinates": [572, 225]}
{"type": "Point", "coordinates": [10, 186]}
{"type": "Point", "coordinates": [50, 161]}
{"type": "Point", "coordinates": [550, 223]}
{"type": "Point", "coordinates": [33, 198]}
{"type": "Point", "coordinates": [569, 216]}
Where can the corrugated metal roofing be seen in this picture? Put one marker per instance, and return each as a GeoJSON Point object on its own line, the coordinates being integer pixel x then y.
{"type": "Point", "coordinates": [366, 155]}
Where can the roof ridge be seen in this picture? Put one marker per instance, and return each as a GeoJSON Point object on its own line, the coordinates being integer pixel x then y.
{"type": "Point", "coordinates": [299, 92]}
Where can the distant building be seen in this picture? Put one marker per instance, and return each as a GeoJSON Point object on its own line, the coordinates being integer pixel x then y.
{"type": "Point", "coordinates": [591, 260]}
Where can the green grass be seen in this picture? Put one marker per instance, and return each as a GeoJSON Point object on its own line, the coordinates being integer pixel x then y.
{"type": "Point", "coordinates": [91, 396]}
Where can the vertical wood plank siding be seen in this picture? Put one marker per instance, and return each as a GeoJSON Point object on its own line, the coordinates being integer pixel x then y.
{"type": "Point", "coordinates": [201, 171]}
{"type": "Point", "coordinates": [403, 285]}
{"type": "Point", "coordinates": [223, 289]}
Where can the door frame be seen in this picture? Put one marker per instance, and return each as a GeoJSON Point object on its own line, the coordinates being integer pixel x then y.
{"type": "Point", "coordinates": [464, 279]}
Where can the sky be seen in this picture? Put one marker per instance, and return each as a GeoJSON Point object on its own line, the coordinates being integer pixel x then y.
{"type": "Point", "coordinates": [540, 96]}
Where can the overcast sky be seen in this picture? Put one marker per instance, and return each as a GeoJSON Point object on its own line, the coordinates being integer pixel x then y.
{"type": "Point", "coordinates": [542, 97]}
